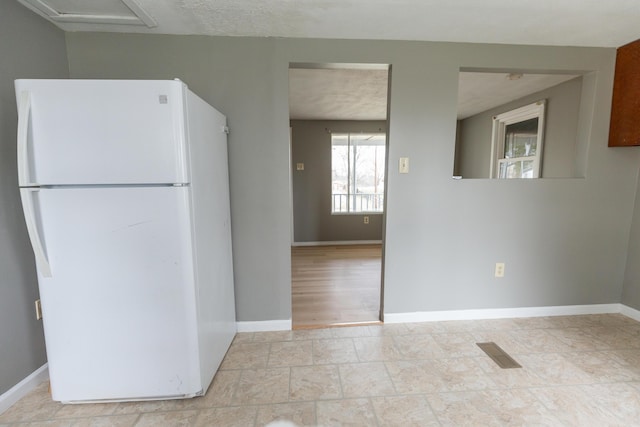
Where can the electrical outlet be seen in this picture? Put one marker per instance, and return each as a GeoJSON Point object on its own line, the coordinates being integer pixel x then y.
{"type": "Point", "coordinates": [300, 166]}
{"type": "Point", "coordinates": [366, 220]}
{"type": "Point", "coordinates": [499, 269]}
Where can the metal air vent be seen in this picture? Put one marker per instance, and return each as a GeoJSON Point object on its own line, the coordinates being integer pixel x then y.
{"type": "Point", "coordinates": [124, 12]}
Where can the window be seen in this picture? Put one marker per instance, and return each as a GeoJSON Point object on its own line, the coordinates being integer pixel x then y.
{"type": "Point", "coordinates": [517, 142]}
{"type": "Point", "coordinates": [357, 172]}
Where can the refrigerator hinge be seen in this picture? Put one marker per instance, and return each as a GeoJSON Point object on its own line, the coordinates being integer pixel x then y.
{"type": "Point", "coordinates": [225, 129]}
{"type": "Point", "coordinates": [38, 309]}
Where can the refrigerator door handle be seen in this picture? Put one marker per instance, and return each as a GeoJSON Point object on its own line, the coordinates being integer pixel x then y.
{"type": "Point", "coordinates": [24, 113]}
{"type": "Point", "coordinates": [32, 228]}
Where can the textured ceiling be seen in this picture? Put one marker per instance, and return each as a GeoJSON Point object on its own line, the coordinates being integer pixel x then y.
{"type": "Point", "coordinates": [361, 94]}
{"type": "Point", "coordinates": [335, 94]}
{"type": "Point", "coordinates": [605, 23]}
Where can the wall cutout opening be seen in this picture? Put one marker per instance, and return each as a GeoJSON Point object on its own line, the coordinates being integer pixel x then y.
{"type": "Point", "coordinates": [520, 124]}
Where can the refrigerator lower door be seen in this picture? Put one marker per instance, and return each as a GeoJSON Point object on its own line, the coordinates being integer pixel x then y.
{"type": "Point", "coordinates": [119, 308]}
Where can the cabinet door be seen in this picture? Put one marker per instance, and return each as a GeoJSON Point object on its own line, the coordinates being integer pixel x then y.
{"type": "Point", "coordinates": [625, 108]}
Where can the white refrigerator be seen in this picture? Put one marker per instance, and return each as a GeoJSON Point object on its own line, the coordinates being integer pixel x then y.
{"type": "Point", "coordinates": [125, 191]}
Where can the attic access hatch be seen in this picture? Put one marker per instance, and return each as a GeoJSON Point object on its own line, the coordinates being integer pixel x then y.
{"type": "Point", "coordinates": [124, 12]}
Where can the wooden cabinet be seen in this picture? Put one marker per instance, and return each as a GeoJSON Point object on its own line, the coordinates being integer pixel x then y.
{"type": "Point", "coordinates": [625, 107]}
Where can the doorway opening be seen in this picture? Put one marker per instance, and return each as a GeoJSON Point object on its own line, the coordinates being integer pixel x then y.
{"type": "Point", "coordinates": [338, 145]}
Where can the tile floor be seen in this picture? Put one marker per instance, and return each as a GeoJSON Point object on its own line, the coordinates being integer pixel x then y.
{"type": "Point", "coordinates": [577, 371]}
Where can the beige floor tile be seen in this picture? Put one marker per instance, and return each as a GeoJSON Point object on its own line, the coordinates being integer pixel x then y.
{"type": "Point", "coordinates": [301, 414]}
{"type": "Point", "coordinates": [290, 353]}
{"type": "Point", "coordinates": [404, 411]}
{"type": "Point", "coordinates": [533, 323]}
{"type": "Point", "coordinates": [351, 332]}
{"type": "Point", "coordinates": [346, 412]}
{"type": "Point", "coordinates": [246, 356]}
{"type": "Point", "coordinates": [110, 421]}
{"type": "Point", "coordinates": [615, 337]}
{"type": "Point", "coordinates": [491, 408]}
{"type": "Point", "coordinates": [575, 407]}
{"type": "Point", "coordinates": [461, 344]}
{"type": "Point", "coordinates": [315, 383]}
{"type": "Point", "coordinates": [418, 347]}
{"type": "Point", "coordinates": [86, 410]}
{"type": "Point", "coordinates": [584, 321]}
{"type": "Point", "coordinates": [243, 337]}
{"type": "Point", "coordinates": [611, 319]}
{"type": "Point", "coordinates": [373, 349]}
{"type": "Point", "coordinates": [622, 400]}
{"type": "Point", "coordinates": [538, 341]}
{"type": "Point", "coordinates": [257, 386]}
{"type": "Point", "coordinates": [495, 325]}
{"type": "Point", "coordinates": [365, 379]}
{"type": "Point", "coordinates": [312, 334]}
{"type": "Point", "coordinates": [219, 394]}
{"type": "Point", "coordinates": [36, 405]}
{"type": "Point", "coordinates": [273, 336]}
{"type": "Point", "coordinates": [601, 367]}
{"type": "Point", "coordinates": [461, 374]}
{"type": "Point", "coordinates": [415, 376]}
{"type": "Point", "coordinates": [578, 339]}
{"type": "Point", "coordinates": [504, 339]}
{"type": "Point", "coordinates": [392, 329]}
{"type": "Point", "coordinates": [423, 328]}
{"type": "Point", "coordinates": [149, 406]}
{"type": "Point", "coordinates": [555, 369]}
{"type": "Point", "coordinates": [510, 378]}
{"type": "Point", "coordinates": [239, 416]}
{"type": "Point", "coordinates": [332, 351]}
{"type": "Point", "coordinates": [168, 419]}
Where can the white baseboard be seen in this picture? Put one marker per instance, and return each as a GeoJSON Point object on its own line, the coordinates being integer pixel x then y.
{"type": "Point", "coordinates": [265, 325]}
{"type": "Point", "coordinates": [338, 243]}
{"type": "Point", "coordinates": [18, 391]}
{"type": "Point", "coordinates": [630, 312]}
{"type": "Point", "coordinates": [504, 313]}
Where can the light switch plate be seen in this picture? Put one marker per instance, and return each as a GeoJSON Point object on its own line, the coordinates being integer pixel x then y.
{"type": "Point", "coordinates": [404, 165]}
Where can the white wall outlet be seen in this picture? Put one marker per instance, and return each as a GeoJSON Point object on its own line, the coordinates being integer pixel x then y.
{"type": "Point", "coordinates": [499, 269]}
{"type": "Point", "coordinates": [404, 165]}
{"type": "Point", "coordinates": [366, 220]}
{"type": "Point", "coordinates": [300, 166]}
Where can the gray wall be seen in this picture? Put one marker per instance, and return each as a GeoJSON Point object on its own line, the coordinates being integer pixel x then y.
{"type": "Point", "coordinates": [631, 289]}
{"type": "Point", "coordinates": [30, 47]}
{"type": "Point", "coordinates": [564, 241]}
{"type": "Point", "coordinates": [561, 123]}
{"type": "Point", "coordinates": [312, 218]}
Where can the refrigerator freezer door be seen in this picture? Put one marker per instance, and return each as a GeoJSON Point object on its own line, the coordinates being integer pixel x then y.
{"type": "Point", "coordinates": [101, 132]}
{"type": "Point", "coordinates": [119, 308]}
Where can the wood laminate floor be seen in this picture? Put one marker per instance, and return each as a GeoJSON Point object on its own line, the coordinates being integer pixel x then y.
{"type": "Point", "coordinates": [334, 285]}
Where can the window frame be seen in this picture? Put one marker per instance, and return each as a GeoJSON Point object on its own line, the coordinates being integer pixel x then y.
{"type": "Point", "coordinates": [349, 194]}
{"type": "Point", "coordinates": [500, 123]}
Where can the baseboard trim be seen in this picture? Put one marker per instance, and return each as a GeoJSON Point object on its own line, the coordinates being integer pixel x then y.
{"type": "Point", "coordinates": [18, 391]}
{"type": "Point", "coordinates": [630, 312]}
{"type": "Point", "coordinates": [505, 313]}
{"type": "Point", "coordinates": [265, 325]}
{"type": "Point", "coordinates": [338, 243]}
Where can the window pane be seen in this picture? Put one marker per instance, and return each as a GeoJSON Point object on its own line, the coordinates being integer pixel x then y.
{"type": "Point", "coordinates": [358, 166]}
{"type": "Point", "coordinates": [516, 169]}
{"type": "Point", "coordinates": [339, 173]}
{"type": "Point", "coordinates": [368, 172]}
{"type": "Point", "coordinates": [520, 139]}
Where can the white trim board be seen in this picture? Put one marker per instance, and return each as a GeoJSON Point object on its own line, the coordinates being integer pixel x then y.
{"type": "Point", "coordinates": [505, 313]}
{"type": "Point", "coordinates": [630, 312]}
{"type": "Point", "coordinates": [338, 243]}
{"type": "Point", "coordinates": [264, 325]}
{"type": "Point", "coordinates": [18, 391]}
